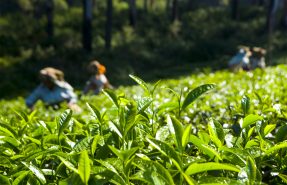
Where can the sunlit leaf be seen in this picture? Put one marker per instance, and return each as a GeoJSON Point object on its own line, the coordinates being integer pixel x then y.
{"type": "Point", "coordinates": [250, 119]}
{"type": "Point", "coordinates": [202, 167]}
{"type": "Point", "coordinates": [276, 147]}
{"type": "Point", "coordinates": [4, 180]}
{"type": "Point", "coordinates": [245, 104]}
{"type": "Point", "coordinates": [37, 172]}
{"type": "Point", "coordinates": [112, 96]}
{"type": "Point", "coordinates": [283, 177]}
{"type": "Point", "coordinates": [84, 168]}
{"type": "Point", "coordinates": [20, 178]}
{"type": "Point", "coordinates": [141, 83]}
{"type": "Point", "coordinates": [64, 121]}
{"type": "Point", "coordinates": [195, 93]}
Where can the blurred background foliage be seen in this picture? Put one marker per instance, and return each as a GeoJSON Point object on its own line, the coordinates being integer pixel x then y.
{"type": "Point", "coordinates": [153, 39]}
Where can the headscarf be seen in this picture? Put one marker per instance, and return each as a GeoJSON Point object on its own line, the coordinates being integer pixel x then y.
{"type": "Point", "coordinates": [52, 73]}
{"type": "Point", "coordinates": [96, 67]}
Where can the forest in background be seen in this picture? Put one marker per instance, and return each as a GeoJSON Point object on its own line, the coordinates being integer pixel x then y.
{"type": "Point", "coordinates": [153, 39]}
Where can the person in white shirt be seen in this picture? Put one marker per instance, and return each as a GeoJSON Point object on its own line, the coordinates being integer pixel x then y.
{"type": "Point", "coordinates": [240, 60]}
{"type": "Point", "coordinates": [98, 80]}
{"type": "Point", "coordinates": [53, 90]}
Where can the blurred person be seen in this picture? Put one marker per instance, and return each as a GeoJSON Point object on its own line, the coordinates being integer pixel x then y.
{"type": "Point", "coordinates": [257, 58]}
{"type": "Point", "coordinates": [98, 80]}
{"type": "Point", "coordinates": [241, 60]}
{"type": "Point", "coordinates": [53, 91]}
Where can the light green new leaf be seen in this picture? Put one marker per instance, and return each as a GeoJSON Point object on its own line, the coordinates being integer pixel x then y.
{"type": "Point", "coordinates": [276, 147]}
{"type": "Point", "coordinates": [124, 155]}
{"type": "Point", "coordinates": [186, 135]}
{"type": "Point", "coordinates": [83, 144]}
{"type": "Point", "coordinates": [117, 178]}
{"type": "Point", "coordinates": [115, 128]}
{"type": "Point", "coordinates": [95, 112]}
{"type": "Point", "coordinates": [84, 167]}
{"type": "Point", "coordinates": [10, 140]}
{"type": "Point", "coordinates": [216, 132]}
{"type": "Point", "coordinates": [166, 150]}
{"type": "Point", "coordinates": [130, 117]}
{"type": "Point", "coordinates": [4, 180]}
{"type": "Point", "coordinates": [155, 86]}
{"type": "Point", "coordinates": [251, 170]}
{"type": "Point", "coordinates": [21, 176]}
{"type": "Point", "coordinates": [269, 128]}
{"type": "Point", "coordinates": [7, 129]}
{"type": "Point", "coordinates": [36, 171]}
{"type": "Point", "coordinates": [141, 83]}
{"type": "Point", "coordinates": [205, 148]}
{"type": "Point", "coordinates": [148, 168]}
{"type": "Point", "coordinates": [68, 164]}
{"type": "Point", "coordinates": [283, 177]}
{"type": "Point", "coordinates": [245, 104]}
{"type": "Point", "coordinates": [188, 179]}
{"type": "Point", "coordinates": [250, 119]}
{"type": "Point", "coordinates": [195, 93]}
{"type": "Point", "coordinates": [176, 129]}
{"type": "Point", "coordinates": [112, 96]}
{"type": "Point", "coordinates": [38, 142]}
{"type": "Point", "coordinates": [202, 167]}
{"type": "Point", "coordinates": [64, 120]}
{"type": "Point", "coordinates": [94, 143]}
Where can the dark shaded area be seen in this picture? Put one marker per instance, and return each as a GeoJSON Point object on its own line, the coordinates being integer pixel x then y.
{"type": "Point", "coordinates": [203, 35]}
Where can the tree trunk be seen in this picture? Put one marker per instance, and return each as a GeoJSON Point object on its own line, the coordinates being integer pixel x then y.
{"type": "Point", "coordinates": [167, 7]}
{"type": "Point", "coordinates": [151, 4]}
{"type": "Point", "coordinates": [50, 16]}
{"type": "Point", "coordinates": [109, 15]}
{"type": "Point", "coordinates": [174, 10]}
{"type": "Point", "coordinates": [87, 24]}
{"type": "Point", "coordinates": [70, 2]}
{"type": "Point", "coordinates": [261, 2]}
{"type": "Point", "coordinates": [272, 9]}
{"type": "Point", "coordinates": [132, 12]}
{"type": "Point", "coordinates": [145, 5]}
{"type": "Point", "coordinates": [234, 9]}
{"type": "Point", "coordinates": [285, 14]}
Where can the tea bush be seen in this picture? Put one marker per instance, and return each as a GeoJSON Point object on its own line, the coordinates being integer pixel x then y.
{"type": "Point", "coordinates": [217, 128]}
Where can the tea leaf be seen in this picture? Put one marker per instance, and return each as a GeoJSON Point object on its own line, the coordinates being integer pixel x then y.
{"type": "Point", "coordinates": [250, 119]}
{"type": "Point", "coordinates": [36, 171]}
{"type": "Point", "coordinates": [112, 96]}
{"type": "Point", "coordinates": [4, 180]}
{"type": "Point", "coordinates": [84, 168]}
{"type": "Point", "coordinates": [245, 104]}
{"type": "Point", "coordinates": [195, 93]}
{"type": "Point", "coordinates": [64, 121]}
{"type": "Point", "coordinates": [202, 167]}
{"type": "Point", "coordinates": [141, 83]}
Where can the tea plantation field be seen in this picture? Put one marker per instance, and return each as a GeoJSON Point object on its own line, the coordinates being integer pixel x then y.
{"type": "Point", "coordinates": [215, 128]}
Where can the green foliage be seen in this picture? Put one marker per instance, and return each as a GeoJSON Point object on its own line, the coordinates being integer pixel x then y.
{"type": "Point", "coordinates": [135, 135]}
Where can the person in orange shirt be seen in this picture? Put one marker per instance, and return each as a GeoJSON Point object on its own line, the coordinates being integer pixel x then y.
{"type": "Point", "coordinates": [98, 80]}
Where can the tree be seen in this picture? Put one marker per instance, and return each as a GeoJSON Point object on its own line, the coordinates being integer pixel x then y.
{"type": "Point", "coordinates": [132, 12]}
{"type": "Point", "coordinates": [234, 9]}
{"type": "Point", "coordinates": [109, 15]}
{"type": "Point", "coordinates": [174, 10]}
{"type": "Point", "coordinates": [70, 2]}
{"type": "Point", "coordinates": [49, 6]}
{"type": "Point", "coordinates": [87, 24]}
{"type": "Point", "coordinates": [272, 9]}
{"type": "Point", "coordinates": [285, 14]}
